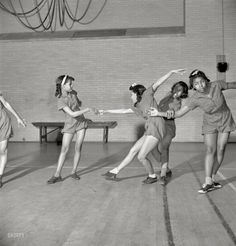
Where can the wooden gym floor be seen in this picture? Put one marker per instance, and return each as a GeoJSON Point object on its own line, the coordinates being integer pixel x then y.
{"type": "Point", "coordinates": [94, 211]}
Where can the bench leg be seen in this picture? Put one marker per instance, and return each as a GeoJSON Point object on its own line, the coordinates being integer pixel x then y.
{"type": "Point", "coordinates": [105, 134]}
{"type": "Point", "coordinates": [40, 134]}
{"type": "Point", "coordinates": [45, 134]}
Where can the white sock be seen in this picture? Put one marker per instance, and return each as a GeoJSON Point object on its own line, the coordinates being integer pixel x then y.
{"type": "Point", "coordinates": [114, 170]}
{"type": "Point", "coordinates": [213, 177]}
{"type": "Point", "coordinates": [208, 180]}
{"type": "Point", "coordinates": [164, 169]}
{"type": "Point", "coordinates": [152, 175]}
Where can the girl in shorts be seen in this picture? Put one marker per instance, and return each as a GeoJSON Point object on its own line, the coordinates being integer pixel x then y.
{"type": "Point", "coordinates": [75, 124]}
{"type": "Point", "coordinates": [155, 129]}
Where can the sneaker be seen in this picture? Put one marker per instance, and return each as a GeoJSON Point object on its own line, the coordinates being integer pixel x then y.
{"type": "Point", "coordinates": [217, 185]}
{"type": "Point", "coordinates": [75, 176]}
{"type": "Point", "coordinates": [110, 176]}
{"type": "Point", "coordinates": [206, 188]}
{"type": "Point", "coordinates": [163, 180]}
{"type": "Point", "coordinates": [54, 180]}
{"type": "Point", "coordinates": [150, 180]}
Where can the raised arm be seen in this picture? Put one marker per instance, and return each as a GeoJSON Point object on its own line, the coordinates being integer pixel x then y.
{"type": "Point", "coordinates": [12, 110]}
{"type": "Point", "coordinates": [231, 85]}
{"type": "Point", "coordinates": [165, 77]}
{"type": "Point", "coordinates": [117, 111]}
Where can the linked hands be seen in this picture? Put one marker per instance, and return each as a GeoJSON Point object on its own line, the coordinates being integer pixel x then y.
{"type": "Point", "coordinates": [101, 111]}
{"type": "Point", "coordinates": [153, 112]}
{"type": "Point", "coordinates": [170, 114]}
{"type": "Point", "coordinates": [94, 110]}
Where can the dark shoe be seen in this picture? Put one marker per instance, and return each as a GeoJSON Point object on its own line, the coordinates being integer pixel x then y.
{"type": "Point", "coordinates": [217, 185]}
{"type": "Point", "coordinates": [206, 188]}
{"type": "Point", "coordinates": [54, 180]}
{"type": "Point", "coordinates": [169, 173]}
{"type": "Point", "coordinates": [1, 184]}
{"type": "Point", "coordinates": [150, 180]}
{"type": "Point", "coordinates": [75, 176]}
{"type": "Point", "coordinates": [110, 176]}
{"type": "Point", "coordinates": [163, 180]}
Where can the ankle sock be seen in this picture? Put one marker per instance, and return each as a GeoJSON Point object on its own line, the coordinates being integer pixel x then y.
{"type": "Point", "coordinates": [114, 170]}
{"type": "Point", "coordinates": [208, 180]}
{"type": "Point", "coordinates": [213, 177]}
{"type": "Point", "coordinates": [152, 175]}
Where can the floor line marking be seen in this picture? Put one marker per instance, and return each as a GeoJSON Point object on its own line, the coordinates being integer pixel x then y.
{"type": "Point", "coordinates": [229, 183]}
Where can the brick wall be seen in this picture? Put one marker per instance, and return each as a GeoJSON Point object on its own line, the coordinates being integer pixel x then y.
{"type": "Point", "coordinates": [104, 69]}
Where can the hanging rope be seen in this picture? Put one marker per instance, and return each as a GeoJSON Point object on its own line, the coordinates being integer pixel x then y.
{"type": "Point", "coordinates": [223, 28]}
{"type": "Point", "coordinates": [48, 12]}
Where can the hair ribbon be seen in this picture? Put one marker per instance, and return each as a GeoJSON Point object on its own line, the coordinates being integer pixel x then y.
{"type": "Point", "coordinates": [64, 80]}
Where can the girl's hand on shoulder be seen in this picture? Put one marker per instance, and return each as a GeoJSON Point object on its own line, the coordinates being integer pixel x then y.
{"type": "Point", "coordinates": [179, 71]}
{"type": "Point", "coordinates": [21, 122]}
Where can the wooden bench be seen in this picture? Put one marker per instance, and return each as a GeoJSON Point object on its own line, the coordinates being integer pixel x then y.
{"type": "Point", "coordinates": [43, 128]}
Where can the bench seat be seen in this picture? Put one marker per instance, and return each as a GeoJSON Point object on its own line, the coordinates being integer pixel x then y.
{"type": "Point", "coordinates": [43, 128]}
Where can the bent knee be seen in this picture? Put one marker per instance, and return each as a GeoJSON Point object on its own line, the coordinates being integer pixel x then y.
{"type": "Point", "coordinates": [133, 151]}
{"type": "Point", "coordinates": [64, 149]}
{"type": "Point", "coordinates": [142, 157]}
{"type": "Point", "coordinates": [210, 150]}
{"type": "Point", "coordinates": [220, 149]}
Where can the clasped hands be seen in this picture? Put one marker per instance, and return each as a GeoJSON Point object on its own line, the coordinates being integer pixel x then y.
{"type": "Point", "coordinates": [154, 112]}
{"type": "Point", "coordinates": [97, 111]}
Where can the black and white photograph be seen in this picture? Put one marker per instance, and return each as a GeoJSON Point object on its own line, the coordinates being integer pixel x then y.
{"type": "Point", "coordinates": [117, 122]}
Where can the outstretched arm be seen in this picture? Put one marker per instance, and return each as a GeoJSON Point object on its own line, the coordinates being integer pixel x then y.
{"type": "Point", "coordinates": [12, 110]}
{"type": "Point", "coordinates": [170, 113]}
{"type": "Point", "coordinates": [116, 111]}
{"type": "Point", "coordinates": [184, 110]}
{"type": "Point", "coordinates": [165, 77]}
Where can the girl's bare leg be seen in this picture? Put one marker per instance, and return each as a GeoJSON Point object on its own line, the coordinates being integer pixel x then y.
{"type": "Point", "coordinates": [127, 160]}
{"type": "Point", "coordinates": [148, 145]}
{"type": "Point", "coordinates": [221, 146]}
{"type": "Point", "coordinates": [66, 141]}
{"type": "Point", "coordinates": [3, 158]}
{"type": "Point", "coordinates": [78, 147]}
{"type": "Point", "coordinates": [165, 154]}
{"type": "Point", "coordinates": [211, 145]}
{"type": "Point", "coordinates": [3, 155]}
{"type": "Point", "coordinates": [132, 153]}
